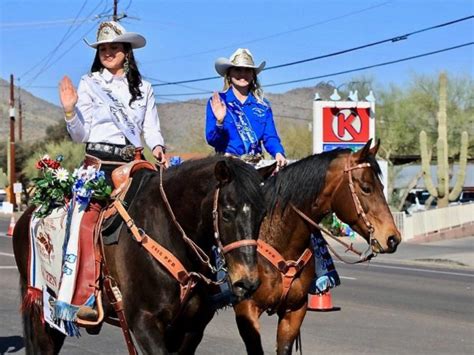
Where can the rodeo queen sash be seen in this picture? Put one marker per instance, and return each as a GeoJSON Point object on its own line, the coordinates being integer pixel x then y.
{"type": "Point", "coordinates": [121, 115]}
{"type": "Point", "coordinates": [242, 123]}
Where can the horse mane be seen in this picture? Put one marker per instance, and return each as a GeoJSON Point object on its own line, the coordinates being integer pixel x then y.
{"type": "Point", "coordinates": [247, 179]}
{"type": "Point", "coordinates": [303, 180]}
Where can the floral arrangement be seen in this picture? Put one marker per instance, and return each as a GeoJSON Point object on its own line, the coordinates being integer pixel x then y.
{"type": "Point", "coordinates": [57, 186]}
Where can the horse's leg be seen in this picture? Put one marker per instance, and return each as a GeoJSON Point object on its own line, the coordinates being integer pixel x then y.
{"type": "Point", "coordinates": [193, 338]}
{"type": "Point", "coordinates": [149, 333]}
{"type": "Point", "coordinates": [246, 314]}
{"type": "Point", "coordinates": [288, 328]}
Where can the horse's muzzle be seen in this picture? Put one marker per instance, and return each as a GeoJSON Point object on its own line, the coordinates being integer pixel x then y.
{"type": "Point", "coordinates": [392, 244]}
{"type": "Point", "coordinates": [244, 288]}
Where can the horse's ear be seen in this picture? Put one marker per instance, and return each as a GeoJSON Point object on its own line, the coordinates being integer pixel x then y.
{"type": "Point", "coordinates": [222, 172]}
{"type": "Point", "coordinates": [266, 171]}
{"type": "Point", "coordinates": [373, 151]}
{"type": "Point", "coordinates": [364, 152]}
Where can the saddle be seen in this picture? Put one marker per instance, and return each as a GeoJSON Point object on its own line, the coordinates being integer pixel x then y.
{"type": "Point", "coordinates": [101, 225]}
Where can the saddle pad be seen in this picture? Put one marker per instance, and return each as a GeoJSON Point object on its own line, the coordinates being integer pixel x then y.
{"type": "Point", "coordinates": [62, 262]}
{"type": "Point", "coordinates": [46, 249]}
{"type": "Point", "coordinates": [111, 227]}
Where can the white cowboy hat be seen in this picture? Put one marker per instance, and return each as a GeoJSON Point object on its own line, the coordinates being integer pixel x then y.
{"type": "Point", "coordinates": [240, 58]}
{"type": "Point", "coordinates": [113, 32]}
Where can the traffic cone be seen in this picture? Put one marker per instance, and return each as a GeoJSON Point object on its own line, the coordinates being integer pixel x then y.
{"type": "Point", "coordinates": [11, 227]}
{"type": "Point", "coordinates": [321, 302]}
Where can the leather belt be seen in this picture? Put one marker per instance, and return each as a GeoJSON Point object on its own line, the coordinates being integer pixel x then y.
{"type": "Point", "coordinates": [252, 159]}
{"type": "Point", "coordinates": [126, 152]}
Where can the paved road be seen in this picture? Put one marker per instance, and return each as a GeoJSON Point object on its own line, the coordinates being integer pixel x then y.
{"type": "Point", "coordinates": [386, 308]}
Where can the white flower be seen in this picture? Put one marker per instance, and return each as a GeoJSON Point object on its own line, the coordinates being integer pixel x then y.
{"type": "Point", "coordinates": [61, 174]}
{"type": "Point", "coordinates": [85, 174]}
{"type": "Point", "coordinates": [91, 172]}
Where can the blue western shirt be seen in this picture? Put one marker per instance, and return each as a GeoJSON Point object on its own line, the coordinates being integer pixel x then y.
{"type": "Point", "coordinates": [226, 138]}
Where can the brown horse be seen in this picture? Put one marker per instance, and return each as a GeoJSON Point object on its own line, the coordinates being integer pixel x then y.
{"type": "Point", "coordinates": [317, 185]}
{"type": "Point", "coordinates": [151, 296]}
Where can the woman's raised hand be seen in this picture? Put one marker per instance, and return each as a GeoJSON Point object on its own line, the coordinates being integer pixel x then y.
{"type": "Point", "coordinates": [67, 94]}
{"type": "Point", "coordinates": [218, 108]}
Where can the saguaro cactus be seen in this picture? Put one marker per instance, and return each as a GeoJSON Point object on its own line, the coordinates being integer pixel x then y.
{"type": "Point", "coordinates": [442, 192]}
{"type": "Point", "coordinates": [3, 179]}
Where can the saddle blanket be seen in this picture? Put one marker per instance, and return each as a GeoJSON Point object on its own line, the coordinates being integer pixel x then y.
{"type": "Point", "coordinates": [53, 264]}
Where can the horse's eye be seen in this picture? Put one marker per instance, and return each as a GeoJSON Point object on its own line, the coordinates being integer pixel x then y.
{"type": "Point", "coordinates": [227, 215]}
{"type": "Point", "coordinates": [366, 188]}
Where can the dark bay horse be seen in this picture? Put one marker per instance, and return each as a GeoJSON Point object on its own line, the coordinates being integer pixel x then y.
{"type": "Point", "coordinates": [151, 296]}
{"type": "Point", "coordinates": [316, 185]}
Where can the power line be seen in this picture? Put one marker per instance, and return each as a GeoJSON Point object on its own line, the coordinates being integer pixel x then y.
{"type": "Point", "coordinates": [373, 66]}
{"type": "Point", "coordinates": [48, 56]}
{"type": "Point", "coordinates": [43, 24]}
{"type": "Point", "coordinates": [275, 34]}
{"type": "Point", "coordinates": [351, 70]}
{"type": "Point", "coordinates": [391, 39]}
{"type": "Point", "coordinates": [66, 36]}
{"type": "Point", "coordinates": [204, 91]}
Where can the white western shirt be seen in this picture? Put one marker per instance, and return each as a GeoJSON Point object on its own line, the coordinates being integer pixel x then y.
{"type": "Point", "coordinates": [92, 121]}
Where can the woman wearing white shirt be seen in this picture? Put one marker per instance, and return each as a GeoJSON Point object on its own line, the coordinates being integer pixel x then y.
{"type": "Point", "coordinates": [113, 106]}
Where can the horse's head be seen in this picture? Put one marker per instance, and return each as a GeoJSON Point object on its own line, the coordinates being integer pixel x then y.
{"type": "Point", "coordinates": [358, 199]}
{"type": "Point", "coordinates": [239, 212]}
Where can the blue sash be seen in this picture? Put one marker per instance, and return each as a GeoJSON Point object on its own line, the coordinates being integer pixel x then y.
{"type": "Point", "coordinates": [242, 123]}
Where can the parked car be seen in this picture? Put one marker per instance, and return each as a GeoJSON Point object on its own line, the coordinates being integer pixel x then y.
{"type": "Point", "coordinates": [416, 200]}
{"type": "Point", "coordinates": [3, 196]}
{"type": "Point", "coordinates": [466, 196]}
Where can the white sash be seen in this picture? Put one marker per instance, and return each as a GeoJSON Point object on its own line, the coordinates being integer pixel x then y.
{"type": "Point", "coordinates": [122, 117]}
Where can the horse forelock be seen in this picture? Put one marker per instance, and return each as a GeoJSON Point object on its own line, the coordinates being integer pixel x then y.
{"type": "Point", "coordinates": [301, 181]}
{"type": "Point", "coordinates": [247, 183]}
{"type": "Point", "coordinates": [374, 165]}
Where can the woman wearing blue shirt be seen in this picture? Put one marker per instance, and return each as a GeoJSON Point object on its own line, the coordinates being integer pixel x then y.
{"type": "Point", "coordinates": [239, 119]}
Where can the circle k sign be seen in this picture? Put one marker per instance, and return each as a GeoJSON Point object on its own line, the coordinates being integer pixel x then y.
{"type": "Point", "coordinates": [342, 124]}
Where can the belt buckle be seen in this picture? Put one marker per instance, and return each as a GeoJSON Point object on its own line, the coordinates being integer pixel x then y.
{"type": "Point", "coordinates": [251, 158]}
{"type": "Point", "coordinates": [127, 153]}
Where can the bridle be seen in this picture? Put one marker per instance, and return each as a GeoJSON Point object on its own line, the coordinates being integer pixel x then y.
{"type": "Point", "coordinates": [367, 254]}
{"type": "Point", "coordinates": [215, 221]}
{"type": "Point", "coordinates": [222, 250]}
{"type": "Point", "coordinates": [358, 205]}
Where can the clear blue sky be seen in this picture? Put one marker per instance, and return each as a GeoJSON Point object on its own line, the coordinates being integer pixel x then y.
{"type": "Point", "coordinates": [185, 37]}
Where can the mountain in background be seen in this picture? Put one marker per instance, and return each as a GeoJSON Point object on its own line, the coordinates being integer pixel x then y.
{"type": "Point", "coordinates": [38, 114]}
{"type": "Point", "coordinates": [182, 123]}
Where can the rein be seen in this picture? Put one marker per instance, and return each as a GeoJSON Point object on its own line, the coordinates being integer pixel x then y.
{"type": "Point", "coordinates": [365, 256]}
{"type": "Point", "coordinates": [197, 250]}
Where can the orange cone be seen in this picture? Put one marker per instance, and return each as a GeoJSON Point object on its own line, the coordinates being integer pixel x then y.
{"type": "Point", "coordinates": [11, 227]}
{"type": "Point", "coordinates": [321, 302]}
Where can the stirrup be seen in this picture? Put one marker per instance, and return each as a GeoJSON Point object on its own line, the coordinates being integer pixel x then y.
{"type": "Point", "coordinates": [87, 313]}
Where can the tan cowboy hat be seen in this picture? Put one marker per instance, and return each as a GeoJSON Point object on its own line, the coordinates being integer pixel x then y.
{"type": "Point", "coordinates": [240, 58]}
{"type": "Point", "coordinates": [113, 32]}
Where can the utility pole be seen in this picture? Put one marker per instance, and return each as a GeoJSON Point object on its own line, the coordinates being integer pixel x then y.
{"type": "Point", "coordinates": [20, 116]}
{"type": "Point", "coordinates": [115, 17]}
{"type": "Point", "coordinates": [11, 173]}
